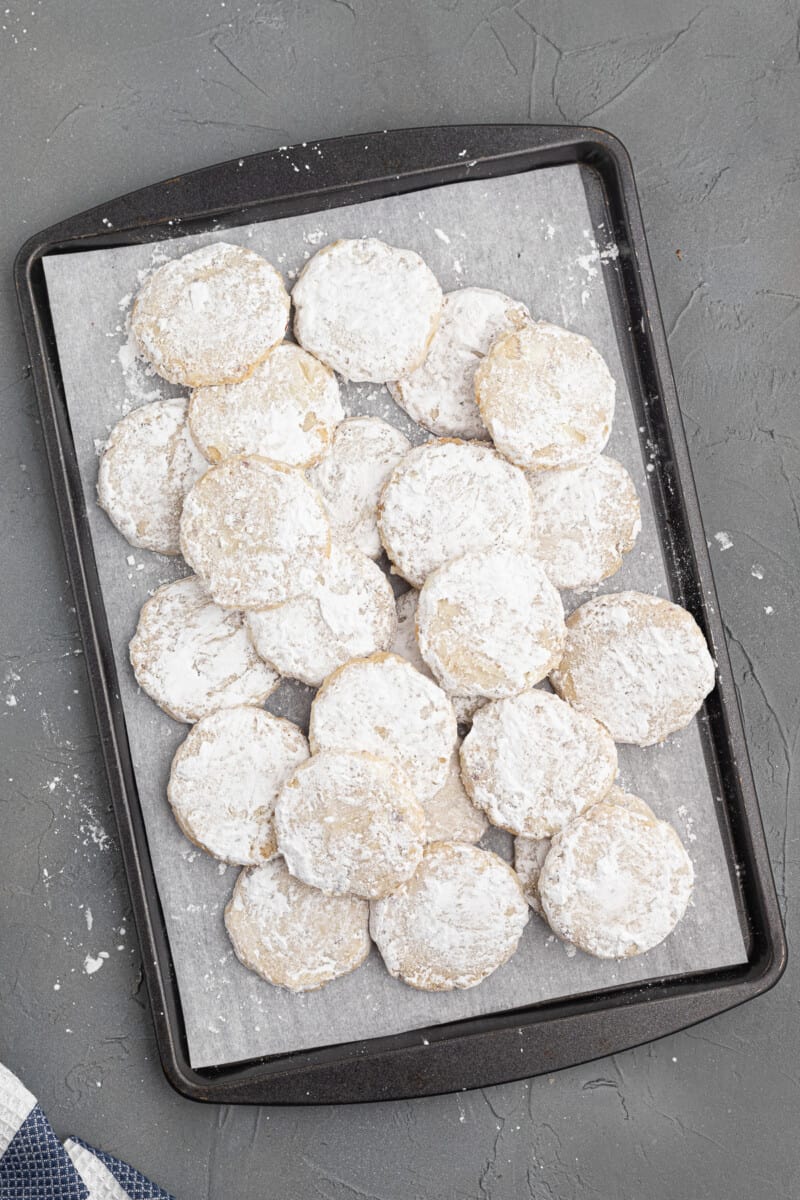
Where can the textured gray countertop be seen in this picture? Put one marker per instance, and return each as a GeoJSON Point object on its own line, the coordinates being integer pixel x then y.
{"type": "Point", "coordinates": [101, 97]}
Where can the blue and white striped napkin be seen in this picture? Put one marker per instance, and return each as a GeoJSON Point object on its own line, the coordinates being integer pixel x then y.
{"type": "Point", "coordinates": [34, 1165]}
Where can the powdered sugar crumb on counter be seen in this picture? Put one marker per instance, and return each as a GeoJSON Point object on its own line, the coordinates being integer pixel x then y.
{"type": "Point", "coordinates": [723, 540]}
{"type": "Point", "coordinates": [91, 965]}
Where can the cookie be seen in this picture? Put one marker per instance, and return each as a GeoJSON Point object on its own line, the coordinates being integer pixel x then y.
{"type": "Point", "coordinates": [286, 410]}
{"type": "Point", "coordinates": [447, 497]}
{"type": "Point", "coordinates": [405, 644]}
{"type": "Point", "coordinates": [584, 520]}
{"type": "Point", "coordinates": [440, 393]}
{"type": "Point", "coordinates": [615, 883]}
{"type": "Point", "coordinates": [457, 920]}
{"type": "Point", "coordinates": [350, 823]}
{"type": "Point", "coordinates": [450, 815]}
{"type": "Point", "coordinates": [490, 623]}
{"type": "Point", "coordinates": [347, 612]}
{"type": "Point", "coordinates": [255, 532]}
{"type": "Point", "coordinates": [529, 856]}
{"type": "Point", "coordinates": [366, 309]}
{"type": "Point", "coordinates": [147, 467]}
{"type": "Point", "coordinates": [211, 316]}
{"type": "Point", "coordinates": [533, 763]}
{"type": "Point", "coordinates": [381, 705]}
{"type": "Point", "coordinates": [225, 779]}
{"type": "Point", "coordinates": [191, 657]}
{"type": "Point", "coordinates": [636, 663]}
{"type": "Point", "coordinates": [292, 935]}
{"type": "Point", "coordinates": [362, 455]}
{"type": "Point", "coordinates": [546, 396]}
{"type": "Point", "coordinates": [530, 853]}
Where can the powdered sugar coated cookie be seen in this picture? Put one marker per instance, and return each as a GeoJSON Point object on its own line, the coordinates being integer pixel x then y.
{"type": "Point", "coordinates": [254, 531]}
{"type": "Point", "coordinates": [490, 622]}
{"type": "Point", "coordinates": [529, 856]}
{"type": "Point", "coordinates": [449, 496]}
{"type": "Point", "coordinates": [615, 883]}
{"type": "Point", "coordinates": [347, 612]}
{"type": "Point", "coordinates": [367, 309]}
{"type": "Point", "coordinates": [148, 465]}
{"type": "Point", "coordinates": [286, 411]}
{"type": "Point", "coordinates": [362, 455]}
{"type": "Point", "coordinates": [457, 920]}
{"type": "Point", "coordinates": [383, 706]}
{"type": "Point", "coordinates": [636, 663]}
{"type": "Point", "coordinates": [192, 657]}
{"type": "Point", "coordinates": [406, 645]}
{"type": "Point", "coordinates": [292, 935]}
{"type": "Point", "coordinates": [533, 763]}
{"type": "Point", "coordinates": [440, 393]}
{"type": "Point", "coordinates": [225, 779]}
{"type": "Point", "coordinates": [350, 823]}
{"type": "Point", "coordinates": [584, 520]}
{"type": "Point", "coordinates": [211, 316]}
{"type": "Point", "coordinates": [546, 396]}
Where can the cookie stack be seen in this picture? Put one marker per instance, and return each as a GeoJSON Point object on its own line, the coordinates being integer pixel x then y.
{"type": "Point", "coordinates": [281, 507]}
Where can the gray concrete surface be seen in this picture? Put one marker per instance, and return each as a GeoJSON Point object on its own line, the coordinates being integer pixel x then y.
{"type": "Point", "coordinates": [100, 96]}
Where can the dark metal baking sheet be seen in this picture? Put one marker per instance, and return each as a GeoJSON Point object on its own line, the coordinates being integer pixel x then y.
{"type": "Point", "coordinates": [502, 1045]}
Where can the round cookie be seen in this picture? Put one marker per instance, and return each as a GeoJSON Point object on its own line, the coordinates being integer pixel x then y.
{"type": "Point", "coordinates": [615, 883]}
{"type": "Point", "coordinates": [440, 393]}
{"type": "Point", "coordinates": [366, 309]}
{"type": "Point", "coordinates": [529, 856]}
{"type": "Point", "coordinates": [292, 935]}
{"type": "Point", "coordinates": [347, 612]}
{"type": "Point", "coordinates": [533, 763]}
{"type": "Point", "coordinates": [636, 663]}
{"type": "Point", "coordinates": [447, 497]}
{"type": "Point", "coordinates": [490, 622]}
{"type": "Point", "coordinates": [147, 467]}
{"type": "Point", "coordinates": [362, 455]}
{"type": "Point", "coordinates": [405, 644]}
{"type": "Point", "coordinates": [225, 779]}
{"type": "Point", "coordinates": [546, 396]}
{"type": "Point", "coordinates": [450, 815]}
{"type": "Point", "coordinates": [192, 657]}
{"type": "Point", "coordinates": [350, 823]}
{"type": "Point", "coordinates": [530, 853]}
{"type": "Point", "coordinates": [383, 706]}
{"type": "Point", "coordinates": [457, 920]}
{"type": "Point", "coordinates": [286, 411]}
{"type": "Point", "coordinates": [254, 531]}
{"type": "Point", "coordinates": [211, 316]}
{"type": "Point", "coordinates": [584, 520]}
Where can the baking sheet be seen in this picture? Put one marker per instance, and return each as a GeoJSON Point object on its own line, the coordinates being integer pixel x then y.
{"type": "Point", "coordinates": [530, 235]}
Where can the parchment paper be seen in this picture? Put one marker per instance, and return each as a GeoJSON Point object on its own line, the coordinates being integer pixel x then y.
{"type": "Point", "coordinates": [530, 236]}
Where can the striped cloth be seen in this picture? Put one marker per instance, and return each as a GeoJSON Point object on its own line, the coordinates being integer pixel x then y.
{"type": "Point", "coordinates": [34, 1165]}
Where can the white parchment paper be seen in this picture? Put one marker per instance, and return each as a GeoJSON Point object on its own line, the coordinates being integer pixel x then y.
{"type": "Point", "coordinates": [528, 235]}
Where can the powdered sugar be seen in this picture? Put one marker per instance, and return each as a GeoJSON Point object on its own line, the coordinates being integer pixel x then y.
{"type": "Point", "coordinates": [148, 465]}
{"type": "Point", "coordinates": [533, 763]}
{"type": "Point", "coordinates": [440, 393]}
{"type": "Point", "coordinates": [363, 453]}
{"type": "Point", "coordinates": [447, 497]}
{"type": "Point", "coordinates": [385, 707]}
{"type": "Point", "coordinates": [406, 645]}
{"type": "Point", "coordinates": [350, 823]}
{"type": "Point", "coordinates": [455, 922]}
{"type": "Point", "coordinates": [225, 779]}
{"type": "Point", "coordinates": [637, 663]}
{"type": "Point", "coordinates": [193, 657]}
{"type": "Point", "coordinates": [211, 316]}
{"type": "Point", "coordinates": [546, 396]}
{"type": "Point", "coordinates": [584, 519]}
{"type": "Point", "coordinates": [366, 309]}
{"type": "Point", "coordinates": [490, 622]}
{"type": "Point", "coordinates": [286, 410]}
{"type": "Point", "coordinates": [347, 612]}
{"type": "Point", "coordinates": [450, 815]}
